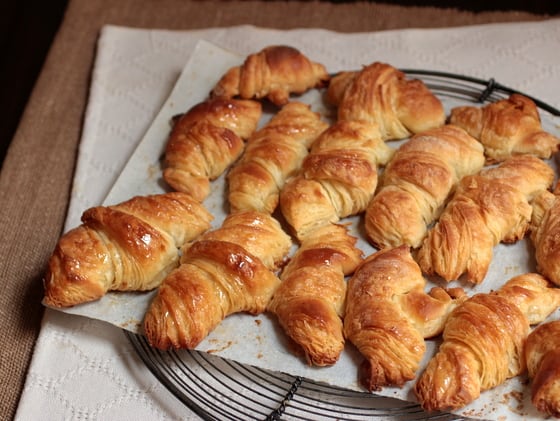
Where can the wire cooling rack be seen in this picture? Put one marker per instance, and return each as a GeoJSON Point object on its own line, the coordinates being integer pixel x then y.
{"type": "Point", "coordinates": [219, 389]}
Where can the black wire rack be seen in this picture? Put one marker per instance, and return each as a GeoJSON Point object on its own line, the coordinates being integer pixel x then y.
{"type": "Point", "coordinates": [219, 389]}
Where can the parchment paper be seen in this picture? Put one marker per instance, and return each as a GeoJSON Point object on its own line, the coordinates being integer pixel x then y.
{"type": "Point", "coordinates": [259, 341]}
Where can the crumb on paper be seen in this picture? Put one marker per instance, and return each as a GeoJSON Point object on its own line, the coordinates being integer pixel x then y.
{"type": "Point", "coordinates": [219, 348]}
{"type": "Point", "coordinates": [508, 270]}
{"type": "Point", "coordinates": [258, 322]}
{"type": "Point", "coordinates": [131, 323]}
{"type": "Point", "coordinates": [514, 400]}
{"type": "Point", "coordinates": [153, 171]}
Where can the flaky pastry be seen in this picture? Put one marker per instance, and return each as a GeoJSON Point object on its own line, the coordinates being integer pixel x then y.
{"type": "Point", "coordinates": [382, 94]}
{"type": "Point", "coordinates": [388, 315]}
{"type": "Point", "coordinates": [483, 342]}
{"type": "Point", "coordinates": [507, 127]}
{"type": "Point", "coordinates": [274, 73]}
{"type": "Point", "coordinates": [221, 273]}
{"type": "Point", "coordinates": [417, 183]}
{"type": "Point", "coordinates": [130, 246]}
{"type": "Point", "coordinates": [205, 141]}
{"type": "Point", "coordinates": [309, 303]}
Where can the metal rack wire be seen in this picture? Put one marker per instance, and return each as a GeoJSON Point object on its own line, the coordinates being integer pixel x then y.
{"type": "Point", "coordinates": [219, 389]}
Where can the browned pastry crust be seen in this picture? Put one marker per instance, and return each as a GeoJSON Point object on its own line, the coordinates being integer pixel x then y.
{"type": "Point", "coordinates": [487, 208]}
{"type": "Point", "coordinates": [542, 353]}
{"type": "Point", "coordinates": [417, 182]}
{"type": "Point", "coordinates": [507, 127]}
{"type": "Point", "coordinates": [483, 342]}
{"type": "Point", "coordinates": [309, 303]}
{"type": "Point", "coordinates": [272, 155]}
{"type": "Point", "coordinates": [273, 73]}
{"type": "Point", "coordinates": [205, 141]}
{"type": "Point", "coordinates": [221, 273]}
{"type": "Point", "coordinates": [381, 94]}
{"type": "Point", "coordinates": [337, 179]}
{"type": "Point", "coordinates": [127, 247]}
{"type": "Point", "coordinates": [545, 234]}
{"type": "Point", "coordinates": [388, 315]}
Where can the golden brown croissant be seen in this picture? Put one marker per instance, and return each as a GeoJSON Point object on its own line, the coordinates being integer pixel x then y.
{"type": "Point", "coordinates": [542, 353]}
{"type": "Point", "coordinates": [380, 93]}
{"type": "Point", "coordinates": [388, 315]}
{"type": "Point", "coordinates": [417, 183]}
{"type": "Point", "coordinates": [309, 303]}
{"type": "Point", "coordinates": [483, 342]}
{"type": "Point", "coordinates": [507, 127]}
{"type": "Point", "coordinates": [205, 141]}
{"type": "Point", "coordinates": [337, 179]}
{"type": "Point", "coordinates": [273, 154]}
{"type": "Point", "coordinates": [487, 208]}
{"type": "Point", "coordinates": [127, 247]}
{"type": "Point", "coordinates": [220, 274]}
{"type": "Point", "coordinates": [545, 234]}
{"type": "Point", "coordinates": [273, 73]}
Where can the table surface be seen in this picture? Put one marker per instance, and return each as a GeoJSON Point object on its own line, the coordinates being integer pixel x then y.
{"type": "Point", "coordinates": [36, 177]}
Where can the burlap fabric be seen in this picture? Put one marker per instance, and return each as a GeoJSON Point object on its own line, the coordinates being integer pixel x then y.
{"type": "Point", "coordinates": [36, 177]}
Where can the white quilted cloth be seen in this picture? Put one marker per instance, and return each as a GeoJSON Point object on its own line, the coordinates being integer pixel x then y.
{"type": "Point", "coordinates": [86, 369]}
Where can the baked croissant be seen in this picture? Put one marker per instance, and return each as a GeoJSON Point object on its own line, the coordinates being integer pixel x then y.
{"type": "Point", "coordinates": [337, 179]}
{"type": "Point", "coordinates": [309, 303]}
{"type": "Point", "coordinates": [487, 208]}
{"type": "Point", "coordinates": [205, 141]}
{"type": "Point", "coordinates": [130, 246]}
{"type": "Point", "coordinates": [545, 234]}
{"type": "Point", "coordinates": [273, 73]}
{"type": "Point", "coordinates": [273, 154]}
{"type": "Point", "coordinates": [416, 185]}
{"type": "Point", "coordinates": [507, 127]}
{"type": "Point", "coordinates": [542, 353]}
{"type": "Point", "coordinates": [381, 94]}
{"type": "Point", "coordinates": [220, 274]}
{"type": "Point", "coordinates": [483, 342]}
{"type": "Point", "coordinates": [388, 315]}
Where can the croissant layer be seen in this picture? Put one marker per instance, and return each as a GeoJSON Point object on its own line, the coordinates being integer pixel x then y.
{"type": "Point", "coordinates": [416, 185]}
{"type": "Point", "coordinates": [227, 270]}
{"type": "Point", "coordinates": [274, 73]}
{"type": "Point", "coordinates": [483, 342]}
{"type": "Point", "coordinates": [542, 352]}
{"type": "Point", "coordinates": [388, 314]}
{"type": "Point", "coordinates": [272, 155]}
{"type": "Point", "coordinates": [309, 304]}
{"type": "Point", "coordinates": [128, 247]}
{"type": "Point", "coordinates": [205, 141]}
{"type": "Point", "coordinates": [381, 94]}
{"type": "Point", "coordinates": [337, 179]}
{"type": "Point", "coordinates": [487, 208]}
{"type": "Point", "coordinates": [507, 127]}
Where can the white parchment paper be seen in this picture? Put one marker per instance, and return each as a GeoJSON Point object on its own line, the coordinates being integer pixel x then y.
{"type": "Point", "coordinates": [258, 340]}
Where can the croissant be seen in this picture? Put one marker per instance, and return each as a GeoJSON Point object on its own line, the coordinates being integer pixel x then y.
{"type": "Point", "coordinates": [487, 208]}
{"type": "Point", "coordinates": [542, 354]}
{"type": "Point", "coordinates": [483, 342]}
{"type": "Point", "coordinates": [127, 247]}
{"type": "Point", "coordinates": [220, 274]}
{"type": "Point", "coordinates": [545, 234]}
{"type": "Point", "coordinates": [273, 73]}
{"type": "Point", "coordinates": [388, 315]}
{"type": "Point", "coordinates": [507, 127]}
{"type": "Point", "coordinates": [381, 94]}
{"type": "Point", "coordinates": [337, 179]}
{"type": "Point", "coordinates": [273, 154]}
{"type": "Point", "coordinates": [309, 303]}
{"type": "Point", "coordinates": [417, 183]}
{"type": "Point", "coordinates": [205, 141]}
